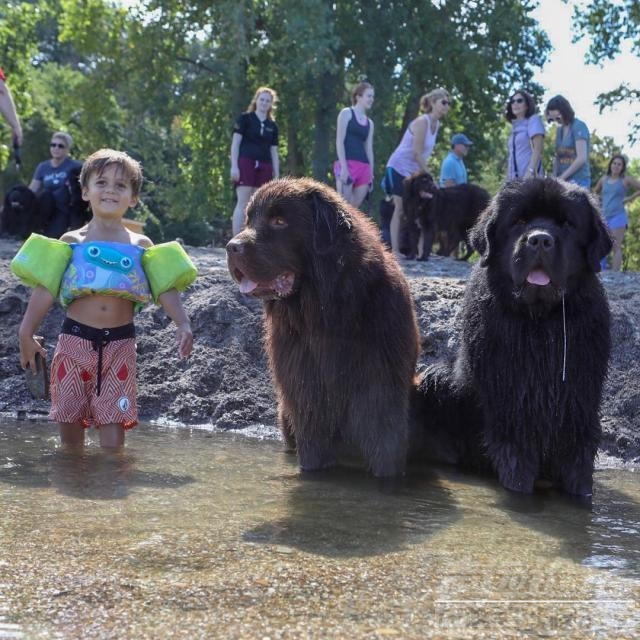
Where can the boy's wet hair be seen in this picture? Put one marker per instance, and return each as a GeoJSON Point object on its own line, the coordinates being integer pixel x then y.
{"type": "Point", "coordinates": [97, 162]}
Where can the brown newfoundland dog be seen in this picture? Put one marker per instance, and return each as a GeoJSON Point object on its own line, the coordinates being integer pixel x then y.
{"type": "Point", "coordinates": [340, 327]}
{"type": "Point", "coordinates": [446, 213]}
{"type": "Point", "coordinates": [522, 397]}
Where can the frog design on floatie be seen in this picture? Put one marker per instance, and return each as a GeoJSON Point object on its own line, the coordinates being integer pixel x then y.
{"type": "Point", "coordinates": [105, 262]}
{"type": "Point", "coordinates": [109, 267]}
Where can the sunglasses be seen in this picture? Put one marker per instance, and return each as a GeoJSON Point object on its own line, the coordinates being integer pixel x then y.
{"type": "Point", "coordinates": [557, 119]}
{"type": "Point", "coordinates": [59, 145]}
{"type": "Point", "coordinates": [516, 100]}
{"type": "Point", "coordinates": [445, 102]}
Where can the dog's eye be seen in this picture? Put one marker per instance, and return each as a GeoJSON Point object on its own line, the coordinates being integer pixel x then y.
{"type": "Point", "coordinates": [278, 222]}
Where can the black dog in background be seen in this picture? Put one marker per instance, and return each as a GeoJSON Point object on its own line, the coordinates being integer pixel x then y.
{"type": "Point", "coordinates": [20, 212]}
{"type": "Point", "coordinates": [522, 397]}
{"type": "Point", "coordinates": [446, 213]}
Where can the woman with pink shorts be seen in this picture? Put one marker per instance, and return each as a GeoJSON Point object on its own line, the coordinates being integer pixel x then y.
{"type": "Point", "coordinates": [354, 145]}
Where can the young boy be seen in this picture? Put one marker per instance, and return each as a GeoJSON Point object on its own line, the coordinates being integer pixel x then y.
{"type": "Point", "coordinates": [107, 272]}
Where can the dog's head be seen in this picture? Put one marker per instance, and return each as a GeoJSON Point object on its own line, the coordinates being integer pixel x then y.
{"type": "Point", "coordinates": [544, 234]}
{"type": "Point", "coordinates": [20, 198]}
{"type": "Point", "coordinates": [420, 187]}
{"type": "Point", "coordinates": [294, 226]}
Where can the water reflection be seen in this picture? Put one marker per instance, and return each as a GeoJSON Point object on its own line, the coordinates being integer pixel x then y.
{"type": "Point", "coordinates": [606, 535]}
{"type": "Point", "coordinates": [342, 512]}
{"type": "Point", "coordinates": [90, 473]}
{"type": "Point", "coordinates": [105, 475]}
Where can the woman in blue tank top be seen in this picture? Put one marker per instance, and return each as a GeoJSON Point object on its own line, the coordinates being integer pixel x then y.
{"type": "Point", "coordinates": [614, 186]}
{"type": "Point", "coordinates": [354, 147]}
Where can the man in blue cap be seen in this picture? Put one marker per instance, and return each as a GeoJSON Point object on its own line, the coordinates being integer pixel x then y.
{"type": "Point", "coordinates": [453, 170]}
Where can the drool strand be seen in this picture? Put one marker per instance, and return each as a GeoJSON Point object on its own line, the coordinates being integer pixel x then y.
{"type": "Point", "coordinates": [564, 342]}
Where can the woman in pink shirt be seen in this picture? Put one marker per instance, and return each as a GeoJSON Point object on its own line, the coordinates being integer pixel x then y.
{"type": "Point", "coordinates": [413, 152]}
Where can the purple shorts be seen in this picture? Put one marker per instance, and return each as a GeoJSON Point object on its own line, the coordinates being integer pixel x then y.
{"type": "Point", "coordinates": [360, 172]}
{"type": "Point", "coordinates": [253, 173]}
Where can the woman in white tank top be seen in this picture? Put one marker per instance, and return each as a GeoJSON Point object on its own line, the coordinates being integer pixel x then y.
{"type": "Point", "coordinates": [413, 152]}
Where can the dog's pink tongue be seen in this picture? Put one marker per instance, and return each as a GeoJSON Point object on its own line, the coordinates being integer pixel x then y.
{"type": "Point", "coordinates": [539, 277]}
{"type": "Point", "coordinates": [247, 286]}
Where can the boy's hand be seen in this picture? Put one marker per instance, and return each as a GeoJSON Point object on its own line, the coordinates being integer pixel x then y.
{"type": "Point", "coordinates": [29, 347]}
{"type": "Point", "coordinates": [184, 339]}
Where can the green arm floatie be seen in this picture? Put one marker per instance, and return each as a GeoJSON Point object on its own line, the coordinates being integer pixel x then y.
{"type": "Point", "coordinates": [167, 267]}
{"type": "Point", "coordinates": [42, 261]}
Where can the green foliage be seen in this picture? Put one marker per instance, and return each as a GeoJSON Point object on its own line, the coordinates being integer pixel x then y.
{"type": "Point", "coordinates": [610, 25]}
{"type": "Point", "coordinates": [631, 246]}
{"type": "Point", "coordinates": [165, 80]}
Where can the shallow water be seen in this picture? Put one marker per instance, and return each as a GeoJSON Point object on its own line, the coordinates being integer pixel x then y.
{"type": "Point", "coordinates": [190, 534]}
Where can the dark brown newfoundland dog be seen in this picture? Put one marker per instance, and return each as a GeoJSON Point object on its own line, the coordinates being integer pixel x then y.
{"type": "Point", "coordinates": [341, 332]}
{"type": "Point", "coordinates": [522, 397]}
{"type": "Point", "coordinates": [446, 213]}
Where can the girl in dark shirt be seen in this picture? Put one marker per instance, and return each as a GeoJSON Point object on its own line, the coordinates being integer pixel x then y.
{"type": "Point", "coordinates": [354, 147]}
{"type": "Point", "coordinates": [254, 151]}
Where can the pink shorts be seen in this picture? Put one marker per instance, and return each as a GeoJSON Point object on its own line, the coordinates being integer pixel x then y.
{"type": "Point", "coordinates": [360, 172]}
{"type": "Point", "coordinates": [74, 374]}
{"type": "Point", "coordinates": [253, 173]}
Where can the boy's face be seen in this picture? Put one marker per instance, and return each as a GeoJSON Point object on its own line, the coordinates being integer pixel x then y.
{"type": "Point", "coordinates": [109, 193]}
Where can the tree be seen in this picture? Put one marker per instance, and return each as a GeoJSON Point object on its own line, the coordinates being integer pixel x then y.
{"type": "Point", "coordinates": [610, 26]}
{"type": "Point", "coordinates": [165, 80]}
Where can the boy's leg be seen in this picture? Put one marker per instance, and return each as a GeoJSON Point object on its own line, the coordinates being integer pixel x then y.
{"type": "Point", "coordinates": [71, 434]}
{"type": "Point", "coordinates": [111, 436]}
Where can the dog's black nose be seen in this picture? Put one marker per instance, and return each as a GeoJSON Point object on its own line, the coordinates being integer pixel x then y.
{"type": "Point", "coordinates": [540, 240]}
{"type": "Point", "coordinates": [235, 246]}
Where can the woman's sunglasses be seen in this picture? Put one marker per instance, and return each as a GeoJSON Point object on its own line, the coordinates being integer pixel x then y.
{"type": "Point", "coordinates": [557, 119]}
{"type": "Point", "coordinates": [59, 145]}
{"type": "Point", "coordinates": [516, 100]}
{"type": "Point", "coordinates": [445, 102]}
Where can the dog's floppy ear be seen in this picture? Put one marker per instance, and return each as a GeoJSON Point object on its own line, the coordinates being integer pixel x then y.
{"type": "Point", "coordinates": [410, 186]}
{"type": "Point", "coordinates": [600, 243]}
{"type": "Point", "coordinates": [328, 218]}
{"type": "Point", "coordinates": [482, 234]}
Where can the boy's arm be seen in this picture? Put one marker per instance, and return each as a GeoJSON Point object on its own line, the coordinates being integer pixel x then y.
{"type": "Point", "coordinates": [171, 303]}
{"type": "Point", "coordinates": [39, 304]}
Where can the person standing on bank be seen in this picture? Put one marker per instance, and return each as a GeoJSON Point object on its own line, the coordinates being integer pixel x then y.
{"type": "Point", "coordinates": [571, 161]}
{"type": "Point", "coordinates": [453, 171]}
{"type": "Point", "coordinates": [254, 151]}
{"type": "Point", "coordinates": [524, 146]}
{"type": "Point", "coordinates": [354, 147]}
{"type": "Point", "coordinates": [8, 110]}
{"type": "Point", "coordinates": [50, 182]}
{"type": "Point", "coordinates": [614, 186]}
{"type": "Point", "coordinates": [412, 154]}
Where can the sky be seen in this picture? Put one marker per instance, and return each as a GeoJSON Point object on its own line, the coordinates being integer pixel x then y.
{"type": "Point", "coordinates": [566, 73]}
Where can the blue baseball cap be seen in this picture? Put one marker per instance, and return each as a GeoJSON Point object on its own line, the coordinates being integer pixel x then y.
{"type": "Point", "coordinates": [460, 138]}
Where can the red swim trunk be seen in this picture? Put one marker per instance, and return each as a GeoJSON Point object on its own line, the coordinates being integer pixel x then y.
{"type": "Point", "coordinates": [253, 173]}
{"type": "Point", "coordinates": [74, 377]}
